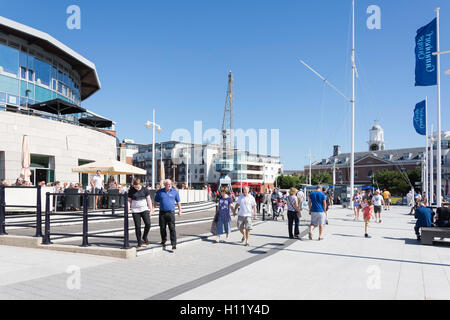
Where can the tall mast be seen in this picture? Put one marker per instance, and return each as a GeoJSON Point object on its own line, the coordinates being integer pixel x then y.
{"type": "Point", "coordinates": [352, 157]}
{"type": "Point", "coordinates": [439, 135]}
{"type": "Point", "coordinates": [227, 123]}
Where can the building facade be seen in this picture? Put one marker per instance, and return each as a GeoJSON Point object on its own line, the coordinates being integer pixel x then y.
{"type": "Point", "coordinates": [41, 79]}
{"type": "Point", "coordinates": [197, 165]}
{"type": "Point", "coordinates": [378, 158]}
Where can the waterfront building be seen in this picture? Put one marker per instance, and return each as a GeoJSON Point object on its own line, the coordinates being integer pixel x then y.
{"type": "Point", "coordinates": [42, 86]}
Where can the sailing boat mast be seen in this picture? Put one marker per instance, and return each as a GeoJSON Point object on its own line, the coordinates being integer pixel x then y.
{"type": "Point", "coordinates": [352, 157]}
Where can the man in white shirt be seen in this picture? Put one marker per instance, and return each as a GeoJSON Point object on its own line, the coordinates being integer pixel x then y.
{"type": "Point", "coordinates": [247, 208]}
{"type": "Point", "coordinates": [97, 185]}
{"type": "Point", "coordinates": [301, 198]}
{"type": "Point", "coordinates": [378, 201]}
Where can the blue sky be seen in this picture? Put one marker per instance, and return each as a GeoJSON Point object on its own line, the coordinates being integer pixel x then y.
{"type": "Point", "coordinates": [175, 55]}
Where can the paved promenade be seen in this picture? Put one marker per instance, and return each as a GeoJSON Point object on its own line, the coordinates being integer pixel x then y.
{"type": "Point", "coordinates": [390, 265]}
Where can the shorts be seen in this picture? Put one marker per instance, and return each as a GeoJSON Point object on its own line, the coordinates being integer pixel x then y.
{"type": "Point", "coordinates": [244, 223]}
{"type": "Point", "coordinates": [367, 221]}
{"type": "Point", "coordinates": [387, 201]}
{"type": "Point", "coordinates": [318, 218]}
{"type": "Point", "coordinates": [377, 209]}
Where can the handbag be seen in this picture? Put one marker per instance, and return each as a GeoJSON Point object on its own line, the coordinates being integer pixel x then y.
{"type": "Point", "coordinates": [214, 228]}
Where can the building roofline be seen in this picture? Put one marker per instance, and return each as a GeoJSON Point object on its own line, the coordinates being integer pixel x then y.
{"type": "Point", "coordinates": [90, 82]}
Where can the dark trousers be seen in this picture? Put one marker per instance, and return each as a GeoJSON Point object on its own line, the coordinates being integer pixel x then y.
{"type": "Point", "coordinates": [293, 219]}
{"type": "Point", "coordinates": [417, 230]}
{"type": "Point", "coordinates": [137, 216]}
{"type": "Point", "coordinates": [167, 218]}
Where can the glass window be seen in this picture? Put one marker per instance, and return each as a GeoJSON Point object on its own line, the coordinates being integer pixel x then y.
{"type": "Point", "coordinates": [12, 99]}
{"type": "Point", "coordinates": [2, 97]}
{"type": "Point", "coordinates": [42, 72]}
{"type": "Point", "coordinates": [23, 72]}
{"type": "Point", "coordinates": [60, 76]}
{"type": "Point", "coordinates": [23, 58]}
{"type": "Point", "coordinates": [30, 75]}
{"type": "Point", "coordinates": [8, 60]}
{"type": "Point", "coordinates": [38, 161]}
{"type": "Point", "coordinates": [59, 87]}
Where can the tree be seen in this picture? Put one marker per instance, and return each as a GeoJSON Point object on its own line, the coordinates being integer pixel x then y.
{"type": "Point", "coordinates": [321, 178]}
{"type": "Point", "coordinates": [396, 181]}
{"type": "Point", "coordinates": [287, 182]}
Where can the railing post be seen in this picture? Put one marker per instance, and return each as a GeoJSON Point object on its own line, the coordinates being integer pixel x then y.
{"type": "Point", "coordinates": [38, 213]}
{"type": "Point", "coordinates": [126, 234]}
{"type": "Point", "coordinates": [85, 221]}
{"type": "Point", "coordinates": [2, 211]}
{"type": "Point", "coordinates": [47, 220]}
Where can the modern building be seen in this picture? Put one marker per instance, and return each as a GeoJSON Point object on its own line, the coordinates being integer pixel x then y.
{"type": "Point", "coordinates": [42, 86]}
{"type": "Point", "coordinates": [258, 171]}
{"type": "Point", "coordinates": [378, 158]}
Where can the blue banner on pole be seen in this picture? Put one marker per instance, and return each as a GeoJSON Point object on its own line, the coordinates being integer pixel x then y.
{"type": "Point", "coordinates": [420, 118]}
{"type": "Point", "coordinates": [426, 63]}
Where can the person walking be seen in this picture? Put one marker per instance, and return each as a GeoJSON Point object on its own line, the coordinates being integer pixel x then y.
{"type": "Point", "coordinates": [97, 185]}
{"type": "Point", "coordinates": [317, 211]}
{"type": "Point", "coordinates": [378, 201]}
{"type": "Point", "coordinates": [141, 207]}
{"type": "Point", "coordinates": [293, 214]}
{"type": "Point", "coordinates": [367, 213]}
{"type": "Point", "coordinates": [246, 205]}
{"type": "Point", "coordinates": [167, 197]}
{"type": "Point", "coordinates": [387, 199]}
{"type": "Point", "coordinates": [223, 213]}
{"type": "Point", "coordinates": [357, 199]}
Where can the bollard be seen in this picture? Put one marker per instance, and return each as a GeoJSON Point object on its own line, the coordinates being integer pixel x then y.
{"type": "Point", "coordinates": [38, 213]}
{"type": "Point", "coordinates": [85, 221]}
{"type": "Point", "coordinates": [47, 220]}
{"type": "Point", "coordinates": [113, 202]}
{"type": "Point", "coordinates": [2, 211]}
{"type": "Point", "coordinates": [126, 239]}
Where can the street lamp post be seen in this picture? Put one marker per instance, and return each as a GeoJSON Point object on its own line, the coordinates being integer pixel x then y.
{"type": "Point", "coordinates": [156, 126]}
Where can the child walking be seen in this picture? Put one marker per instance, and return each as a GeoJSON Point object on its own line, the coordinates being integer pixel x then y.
{"type": "Point", "coordinates": [367, 209]}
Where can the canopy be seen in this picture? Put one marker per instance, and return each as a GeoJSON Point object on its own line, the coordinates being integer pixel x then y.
{"type": "Point", "coordinates": [111, 167]}
{"type": "Point", "coordinates": [96, 122]}
{"type": "Point", "coordinates": [58, 106]}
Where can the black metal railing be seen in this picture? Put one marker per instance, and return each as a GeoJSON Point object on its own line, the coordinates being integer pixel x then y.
{"type": "Point", "coordinates": [85, 234]}
{"type": "Point", "coordinates": [4, 205]}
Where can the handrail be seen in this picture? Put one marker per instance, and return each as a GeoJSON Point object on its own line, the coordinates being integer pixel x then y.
{"type": "Point", "coordinates": [3, 206]}
{"type": "Point", "coordinates": [85, 235]}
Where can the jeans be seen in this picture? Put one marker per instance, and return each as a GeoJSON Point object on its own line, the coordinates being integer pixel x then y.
{"type": "Point", "coordinates": [417, 230]}
{"type": "Point", "coordinates": [167, 218]}
{"type": "Point", "coordinates": [293, 218]}
{"type": "Point", "coordinates": [145, 215]}
{"type": "Point", "coordinates": [221, 225]}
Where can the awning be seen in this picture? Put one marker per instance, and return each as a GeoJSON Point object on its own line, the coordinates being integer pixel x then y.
{"type": "Point", "coordinates": [96, 122]}
{"type": "Point", "coordinates": [112, 167]}
{"type": "Point", "coordinates": [58, 106]}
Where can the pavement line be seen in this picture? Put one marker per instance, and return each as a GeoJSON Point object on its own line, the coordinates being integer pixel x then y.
{"type": "Point", "coordinates": [178, 290]}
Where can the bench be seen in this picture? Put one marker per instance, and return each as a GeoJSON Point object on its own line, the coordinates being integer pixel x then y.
{"type": "Point", "coordinates": [428, 234]}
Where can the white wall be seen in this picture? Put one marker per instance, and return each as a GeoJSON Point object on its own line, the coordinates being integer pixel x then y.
{"type": "Point", "coordinates": [65, 142]}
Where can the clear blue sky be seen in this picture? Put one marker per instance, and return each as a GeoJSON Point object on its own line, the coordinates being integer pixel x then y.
{"type": "Point", "coordinates": [174, 56]}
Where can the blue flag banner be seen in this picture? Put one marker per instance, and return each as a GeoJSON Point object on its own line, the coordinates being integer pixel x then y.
{"type": "Point", "coordinates": [420, 118]}
{"type": "Point", "coordinates": [426, 63]}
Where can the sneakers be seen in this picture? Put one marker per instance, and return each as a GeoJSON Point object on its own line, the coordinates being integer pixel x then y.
{"type": "Point", "coordinates": [217, 240]}
{"type": "Point", "coordinates": [367, 236]}
{"type": "Point", "coordinates": [174, 247]}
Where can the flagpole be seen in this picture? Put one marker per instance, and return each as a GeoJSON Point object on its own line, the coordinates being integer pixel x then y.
{"type": "Point", "coordinates": [425, 187]}
{"type": "Point", "coordinates": [439, 152]}
{"type": "Point", "coordinates": [431, 167]}
{"type": "Point", "coordinates": [352, 157]}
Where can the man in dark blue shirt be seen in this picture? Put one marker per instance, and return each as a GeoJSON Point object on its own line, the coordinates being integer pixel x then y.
{"type": "Point", "coordinates": [167, 198]}
{"type": "Point", "coordinates": [424, 218]}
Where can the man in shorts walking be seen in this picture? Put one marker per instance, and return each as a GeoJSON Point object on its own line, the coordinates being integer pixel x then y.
{"type": "Point", "coordinates": [247, 209]}
{"type": "Point", "coordinates": [378, 201]}
{"type": "Point", "coordinates": [387, 199]}
{"type": "Point", "coordinates": [317, 211]}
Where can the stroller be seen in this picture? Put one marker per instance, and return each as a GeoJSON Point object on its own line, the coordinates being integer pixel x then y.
{"type": "Point", "coordinates": [278, 209]}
